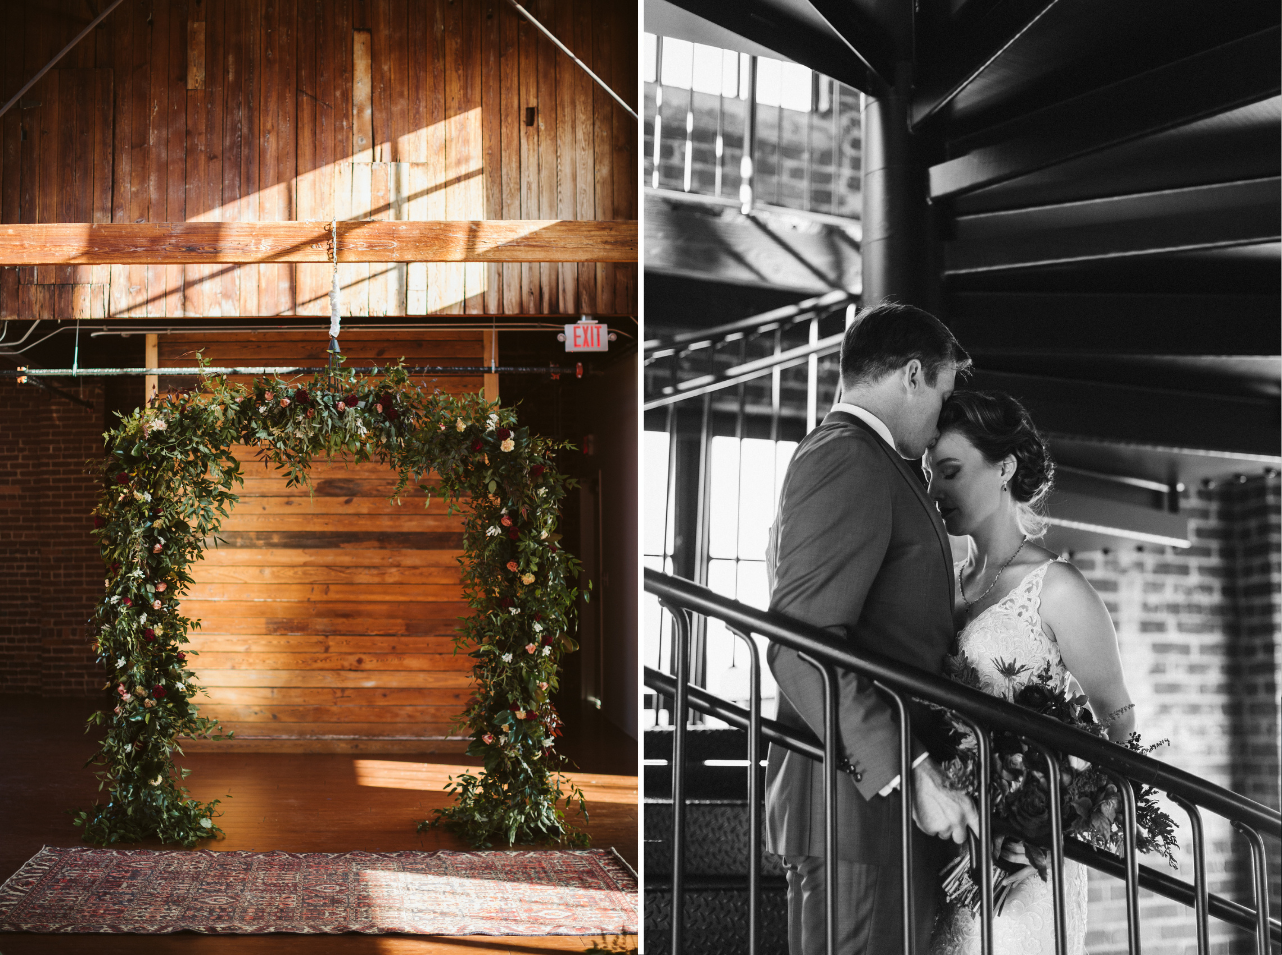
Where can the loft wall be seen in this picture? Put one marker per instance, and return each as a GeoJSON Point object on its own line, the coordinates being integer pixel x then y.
{"type": "Point", "coordinates": [268, 110]}
{"type": "Point", "coordinates": [1198, 630]}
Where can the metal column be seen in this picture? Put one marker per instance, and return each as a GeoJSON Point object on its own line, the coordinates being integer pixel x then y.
{"type": "Point", "coordinates": [896, 254]}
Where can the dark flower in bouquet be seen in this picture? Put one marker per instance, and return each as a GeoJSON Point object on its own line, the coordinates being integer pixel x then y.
{"type": "Point", "coordinates": [1019, 790]}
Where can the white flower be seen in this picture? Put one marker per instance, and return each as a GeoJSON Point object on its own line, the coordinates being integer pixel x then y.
{"type": "Point", "coordinates": [527, 579]}
{"type": "Point", "coordinates": [547, 651]}
{"type": "Point", "coordinates": [492, 532]}
{"type": "Point", "coordinates": [120, 663]}
{"type": "Point", "coordinates": [542, 491]}
{"type": "Point", "coordinates": [538, 627]}
{"type": "Point", "coordinates": [513, 610]}
{"type": "Point", "coordinates": [506, 658]}
{"type": "Point", "coordinates": [491, 422]}
{"type": "Point", "coordinates": [547, 741]}
{"type": "Point", "coordinates": [142, 619]}
{"type": "Point", "coordinates": [160, 424]}
{"type": "Point", "coordinates": [508, 445]}
{"type": "Point", "coordinates": [459, 425]}
{"type": "Point", "coordinates": [262, 408]}
{"type": "Point", "coordinates": [543, 535]}
{"type": "Point", "coordinates": [106, 582]}
{"type": "Point", "coordinates": [156, 781]}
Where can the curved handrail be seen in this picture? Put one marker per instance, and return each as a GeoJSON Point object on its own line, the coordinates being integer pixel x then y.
{"type": "Point", "coordinates": [764, 322]}
{"type": "Point", "coordinates": [808, 745]}
{"type": "Point", "coordinates": [994, 712]}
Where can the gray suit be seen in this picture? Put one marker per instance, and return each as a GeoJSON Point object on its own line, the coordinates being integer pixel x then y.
{"type": "Point", "coordinates": [862, 552]}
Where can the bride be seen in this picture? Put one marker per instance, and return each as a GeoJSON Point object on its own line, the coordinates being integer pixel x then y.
{"type": "Point", "coordinates": [1018, 608]}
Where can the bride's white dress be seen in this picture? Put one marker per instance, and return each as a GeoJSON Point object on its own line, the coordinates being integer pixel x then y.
{"type": "Point", "coordinates": [1011, 631]}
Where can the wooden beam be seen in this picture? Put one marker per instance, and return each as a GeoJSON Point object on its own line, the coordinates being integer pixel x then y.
{"type": "Point", "coordinates": [197, 243]}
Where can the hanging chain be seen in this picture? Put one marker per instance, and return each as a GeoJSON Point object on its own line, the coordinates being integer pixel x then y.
{"type": "Point", "coordinates": [335, 318]}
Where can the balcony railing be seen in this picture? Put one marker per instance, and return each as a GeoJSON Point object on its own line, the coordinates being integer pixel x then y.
{"type": "Point", "coordinates": [681, 599]}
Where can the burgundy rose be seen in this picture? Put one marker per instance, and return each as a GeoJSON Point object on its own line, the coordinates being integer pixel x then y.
{"type": "Point", "coordinates": [182, 658]}
{"type": "Point", "coordinates": [350, 401]}
{"type": "Point", "coordinates": [302, 397]}
{"type": "Point", "coordinates": [159, 692]}
{"type": "Point", "coordinates": [547, 641]}
{"type": "Point", "coordinates": [477, 445]}
{"type": "Point", "coordinates": [98, 522]}
{"type": "Point", "coordinates": [390, 413]}
{"type": "Point", "coordinates": [515, 707]}
{"type": "Point", "coordinates": [1030, 811]}
{"type": "Point", "coordinates": [552, 547]}
{"type": "Point", "coordinates": [538, 617]}
{"type": "Point", "coordinates": [150, 634]}
{"type": "Point", "coordinates": [536, 472]}
{"type": "Point", "coordinates": [514, 534]}
{"type": "Point", "coordinates": [503, 434]}
{"type": "Point", "coordinates": [127, 602]}
{"type": "Point", "coordinates": [122, 478]}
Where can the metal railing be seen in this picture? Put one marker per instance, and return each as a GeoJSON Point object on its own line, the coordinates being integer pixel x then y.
{"type": "Point", "coordinates": [678, 349]}
{"type": "Point", "coordinates": [984, 714]}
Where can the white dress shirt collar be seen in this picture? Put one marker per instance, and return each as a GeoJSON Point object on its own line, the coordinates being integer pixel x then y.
{"type": "Point", "coordinates": [870, 419]}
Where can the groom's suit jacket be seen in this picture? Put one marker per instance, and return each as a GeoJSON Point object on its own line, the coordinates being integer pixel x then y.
{"type": "Point", "coordinates": [862, 552]}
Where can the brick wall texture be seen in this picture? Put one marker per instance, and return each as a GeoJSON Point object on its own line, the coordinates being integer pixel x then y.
{"type": "Point", "coordinates": [828, 182]}
{"type": "Point", "coordinates": [50, 572]}
{"type": "Point", "coordinates": [1199, 633]}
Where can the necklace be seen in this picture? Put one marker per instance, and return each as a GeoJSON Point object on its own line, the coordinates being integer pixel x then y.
{"type": "Point", "coordinates": [971, 603]}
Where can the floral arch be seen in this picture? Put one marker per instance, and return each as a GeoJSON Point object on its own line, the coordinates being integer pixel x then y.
{"type": "Point", "coordinates": [167, 486]}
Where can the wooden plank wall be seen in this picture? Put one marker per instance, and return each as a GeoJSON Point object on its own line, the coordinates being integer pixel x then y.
{"type": "Point", "coordinates": [328, 619]}
{"type": "Point", "coordinates": [269, 110]}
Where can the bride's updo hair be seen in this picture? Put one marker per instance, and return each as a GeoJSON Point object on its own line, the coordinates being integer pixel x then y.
{"type": "Point", "coordinates": [998, 425]}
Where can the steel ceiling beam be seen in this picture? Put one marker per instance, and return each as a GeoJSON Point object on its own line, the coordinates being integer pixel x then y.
{"type": "Point", "coordinates": [1147, 416]}
{"type": "Point", "coordinates": [1173, 220]}
{"type": "Point", "coordinates": [778, 28]}
{"type": "Point", "coordinates": [969, 52]}
{"type": "Point", "coordinates": [1216, 81]}
{"type": "Point", "coordinates": [1116, 324]}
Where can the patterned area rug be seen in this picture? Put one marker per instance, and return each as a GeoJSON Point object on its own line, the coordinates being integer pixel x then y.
{"type": "Point", "coordinates": [549, 892]}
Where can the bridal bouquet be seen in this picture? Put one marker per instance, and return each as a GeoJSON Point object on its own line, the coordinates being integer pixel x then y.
{"type": "Point", "coordinates": [1092, 807]}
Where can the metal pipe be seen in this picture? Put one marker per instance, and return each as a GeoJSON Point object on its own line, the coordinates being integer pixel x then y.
{"type": "Point", "coordinates": [756, 369]}
{"type": "Point", "coordinates": [996, 713]}
{"type": "Point", "coordinates": [681, 629]}
{"type": "Point", "coordinates": [434, 370]}
{"type": "Point", "coordinates": [1130, 858]}
{"type": "Point", "coordinates": [1260, 884]}
{"type": "Point", "coordinates": [830, 800]}
{"type": "Point", "coordinates": [747, 171]}
{"type": "Point", "coordinates": [1057, 845]}
{"type": "Point", "coordinates": [52, 63]}
{"type": "Point", "coordinates": [906, 815]}
{"type": "Point", "coordinates": [1201, 906]}
{"type": "Point", "coordinates": [754, 792]}
{"type": "Point", "coordinates": [984, 747]}
{"type": "Point", "coordinates": [566, 50]}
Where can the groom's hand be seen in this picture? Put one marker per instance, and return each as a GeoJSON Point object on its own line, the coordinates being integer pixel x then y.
{"type": "Point", "coordinates": [939, 810]}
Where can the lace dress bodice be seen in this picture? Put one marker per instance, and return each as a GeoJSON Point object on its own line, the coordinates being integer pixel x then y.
{"type": "Point", "coordinates": [1006, 643]}
{"type": "Point", "coordinates": [1007, 646]}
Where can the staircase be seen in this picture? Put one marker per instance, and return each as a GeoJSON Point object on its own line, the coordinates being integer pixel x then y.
{"type": "Point", "coordinates": [716, 852]}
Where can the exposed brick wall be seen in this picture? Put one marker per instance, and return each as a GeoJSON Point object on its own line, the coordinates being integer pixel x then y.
{"type": "Point", "coordinates": [782, 137]}
{"type": "Point", "coordinates": [50, 571]}
{"type": "Point", "coordinates": [1199, 632]}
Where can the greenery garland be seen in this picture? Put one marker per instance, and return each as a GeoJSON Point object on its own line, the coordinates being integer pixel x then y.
{"type": "Point", "coordinates": [168, 477]}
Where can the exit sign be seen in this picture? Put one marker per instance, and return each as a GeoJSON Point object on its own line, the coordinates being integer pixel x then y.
{"type": "Point", "coordinates": [587, 336]}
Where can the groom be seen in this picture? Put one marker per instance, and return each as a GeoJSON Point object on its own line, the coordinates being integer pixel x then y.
{"type": "Point", "coordinates": [862, 552]}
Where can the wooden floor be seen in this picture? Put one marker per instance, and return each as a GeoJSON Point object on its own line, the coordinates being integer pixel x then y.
{"type": "Point", "coordinates": [299, 803]}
